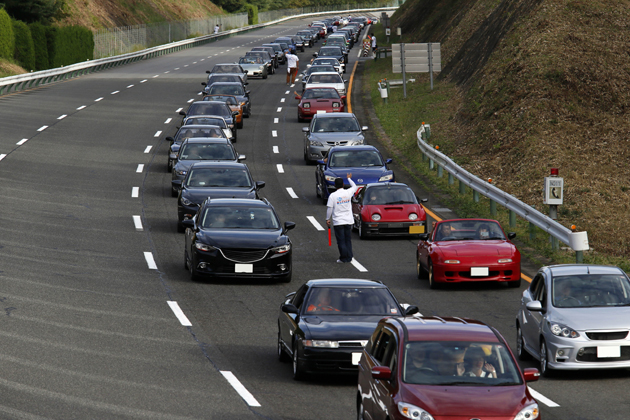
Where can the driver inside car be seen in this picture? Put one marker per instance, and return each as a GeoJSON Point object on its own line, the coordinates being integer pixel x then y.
{"type": "Point", "coordinates": [445, 231]}
{"type": "Point", "coordinates": [324, 303]}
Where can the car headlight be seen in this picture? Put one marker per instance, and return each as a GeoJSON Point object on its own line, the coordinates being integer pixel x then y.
{"type": "Point", "coordinates": [563, 331]}
{"type": "Point", "coordinates": [186, 202]}
{"type": "Point", "coordinates": [505, 260]}
{"type": "Point", "coordinates": [306, 105]}
{"type": "Point", "coordinates": [412, 412]}
{"type": "Point", "coordinates": [376, 217]}
{"type": "Point", "coordinates": [335, 104]}
{"type": "Point", "coordinates": [180, 172]}
{"type": "Point", "coordinates": [358, 142]}
{"type": "Point", "coordinates": [317, 143]}
{"type": "Point", "coordinates": [203, 247]}
{"type": "Point", "coordinates": [330, 178]}
{"type": "Point", "coordinates": [261, 68]}
{"type": "Point", "coordinates": [386, 178]}
{"type": "Point", "coordinates": [281, 249]}
{"type": "Point", "coordinates": [530, 412]}
{"type": "Point", "coordinates": [321, 344]}
{"type": "Point", "coordinates": [413, 216]}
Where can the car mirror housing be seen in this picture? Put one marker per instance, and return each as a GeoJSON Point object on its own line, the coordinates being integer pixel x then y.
{"type": "Point", "coordinates": [411, 310]}
{"type": "Point", "coordinates": [511, 235]}
{"type": "Point", "coordinates": [260, 184]}
{"type": "Point", "coordinates": [235, 113]}
{"type": "Point", "coordinates": [321, 162]}
{"type": "Point", "coordinates": [389, 160]}
{"type": "Point", "coordinates": [289, 308]}
{"type": "Point", "coordinates": [171, 139]}
{"type": "Point", "coordinates": [288, 226]}
{"type": "Point", "coordinates": [305, 129]}
{"type": "Point", "coordinates": [182, 113]}
{"type": "Point", "coordinates": [381, 372]}
{"type": "Point", "coordinates": [531, 374]}
{"type": "Point", "coordinates": [364, 128]}
{"type": "Point", "coordinates": [208, 71]}
{"type": "Point", "coordinates": [535, 306]}
{"type": "Point", "coordinates": [188, 223]}
{"type": "Point", "coordinates": [204, 84]}
{"type": "Point", "coordinates": [424, 236]}
{"type": "Point", "coordinates": [242, 157]}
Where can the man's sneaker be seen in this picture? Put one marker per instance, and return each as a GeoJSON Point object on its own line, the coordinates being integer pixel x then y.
{"type": "Point", "coordinates": [339, 261]}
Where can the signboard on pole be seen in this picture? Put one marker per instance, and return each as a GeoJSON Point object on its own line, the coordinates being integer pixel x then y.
{"type": "Point", "coordinates": [553, 191]}
{"type": "Point", "coordinates": [418, 58]}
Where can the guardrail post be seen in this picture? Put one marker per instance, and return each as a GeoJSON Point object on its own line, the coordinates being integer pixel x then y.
{"type": "Point", "coordinates": [462, 188]}
{"type": "Point", "coordinates": [512, 219]}
{"type": "Point", "coordinates": [476, 196]}
{"type": "Point", "coordinates": [555, 244]}
{"type": "Point", "coordinates": [579, 257]}
{"type": "Point", "coordinates": [493, 208]}
{"type": "Point", "coordinates": [440, 171]}
{"type": "Point", "coordinates": [431, 164]}
{"type": "Point", "coordinates": [532, 231]}
{"type": "Point", "coordinates": [451, 179]}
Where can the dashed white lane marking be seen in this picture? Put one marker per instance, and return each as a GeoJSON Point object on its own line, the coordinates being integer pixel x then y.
{"type": "Point", "coordinates": [168, 120]}
{"type": "Point", "coordinates": [115, 92]}
{"type": "Point", "coordinates": [192, 100]}
{"type": "Point", "coordinates": [238, 386]}
{"type": "Point", "coordinates": [129, 87]}
{"type": "Point", "coordinates": [275, 149]}
{"type": "Point", "coordinates": [199, 94]}
{"type": "Point", "coordinates": [282, 100]}
{"type": "Point", "coordinates": [150, 261]}
{"type": "Point", "coordinates": [157, 134]}
{"type": "Point", "coordinates": [293, 85]}
{"type": "Point", "coordinates": [99, 99]}
{"type": "Point", "coordinates": [286, 93]}
{"type": "Point", "coordinates": [167, 72]}
{"type": "Point", "coordinates": [80, 108]}
{"type": "Point", "coordinates": [541, 398]}
{"type": "Point", "coordinates": [176, 68]}
{"type": "Point", "coordinates": [178, 109]}
{"type": "Point", "coordinates": [137, 222]}
{"type": "Point", "coordinates": [279, 109]}
{"type": "Point", "coordinates": [179, 313]}
{"type": "Point", "coordinates": [42, 128]}
{"type": "Point", "coordinates": [291, 192]}
{"type": "Point", "coordinates": [358, 266]}
{"type": "Point", "coordinates": [135, 191]}
{"type": "Point", "coordinates": [21, 142]}
{"type": "Point", "coordinates": [140, 168]}
{"type": "Point", "coordinates": [274, 133]}
{"type": "Point", "coordinates": [148, 149]}
{"type": "Point", "coordinates": [203, 59]}
{"type": "Point", "coordinates": [143, 81]}
{"type": "Point", "coordinates": [185, 65]}
{"type": "Point", "coordinates": [280, 168]}
{"type": "Point", "coordinates": [61, 117]}
{"type": "Point", "coordinates": [276, 120]}
{"type": "Point", "coordinates": [2, 156]}
{"type": "Point", "coordinates": [315, 223]}
{"type": "Point", "coordinates": [157, 75]}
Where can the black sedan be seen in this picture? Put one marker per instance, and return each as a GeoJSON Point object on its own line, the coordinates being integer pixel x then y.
{"type": "Point", "coordinates": [238, 238]}
{"type": "Point", "coordinates": [216, 180]}
{"type": "Point", "coordinates": [187, 131]}
{"type": "Point", "coordinates": [334, 52]}
{"type": "Point", "coordinates": [326, 323]}
{"type": "Point", "coordinates": [236, 89]}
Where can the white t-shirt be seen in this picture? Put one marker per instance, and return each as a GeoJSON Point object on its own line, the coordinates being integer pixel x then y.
{"type": "Point", "coordinates": [373, 41]}
{"type": "Point", "coordinates": [292, 60]}
{"type": "Point", "coordinates": [340, 205]}
{"type": "Point", "coordinates": [216, 29]}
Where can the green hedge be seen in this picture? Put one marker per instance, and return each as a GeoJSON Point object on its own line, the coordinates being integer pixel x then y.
{"type": "Point", "coordinates": [70, 44]}
{"type": "Point", "coordinates": [252, 14]}
{"type": "Point", "coordinates": [7, 39]}
{"type": "Point", "coordinates": [24, 52]}
{"type": "Point", "coordinates": [40, 43]}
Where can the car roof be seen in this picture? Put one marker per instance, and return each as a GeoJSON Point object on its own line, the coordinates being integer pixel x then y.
{"type": "Point", "coordinates": [237, 202]}
{"type": "Point", "coordinates": [577, 269]}
{"type": "Point", "coordinates": [223, 165]}
{"type": "Point", "coordinates": [189, 126]}
{"type": "Point", "coordinates": [386, 184]}
{"type": "Point", "coordinates": [225, 64]}
{"type": "Point", "coordinates": [205, 140]}
{"type": "Point", "coordinates": [435, 328]}
{"type": "Point", "coordinates": [352, 148]}
{"type": "Point", "coordinates": [335, 114]}
{"type": "Point", "coordinates": [344, 282]}
{"type": "Point", "coordinates": [227, 83]}
{"type": "Point", "coordinates": [328, 73]}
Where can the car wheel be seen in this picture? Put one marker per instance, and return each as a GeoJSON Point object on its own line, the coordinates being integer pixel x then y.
{"type": "Point", "coordinates": [185, 261]}
{"type": "Point", "coordinates": [286, 278]}
{"type": "Point", "coordinates": [432, 283]}
{"type": "Point", "coordinates": [282, 355]}
{"type": "Point", "coordinates": [264, 76]}
{"type": "Point", "coordinates": [544, 365]}
{"type": "Point", "coordinates": [300, 119]}
{"type": "Point", "coordinates": [169, 166]}
{"type": "Point", "coordinates": [362, 234]}
{"type": "Point", "coordinates": [239, 125]}
{"type": "Point", "coordinates": [317, 190]}
{"type": "Point", "coordinates": [515, 284]}
{"type": "Point", "coordinates": [360, 410]}
{"type": "Point", "coordinates": [419, 268]}
{"type": "Point", "coordinates": [302, 49]}
{"type": "Point", "coordinates": [180, 227]}
{"type": "Point", "coordinates": [298, 370]}
{"type": "Point", "coordinates": [520, 345]}
{"type": "Point", "coordinates": [193, 271]}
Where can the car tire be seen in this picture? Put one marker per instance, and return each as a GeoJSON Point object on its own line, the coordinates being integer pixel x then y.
{"type": "Point", "coordinates": [362, 234]}
{"type": "Point", "coordinates": [300, 119]}
{"type": "Point", "coordinates": [360, 410]}
{"type": "Point", "coordinates": [239, 125]}
{"type": "Point", "coordinates": [286, 278]}
{"type": "Point", "coordinates": [264, 76]}
{"type": "Point", "coordinates": [282, 355]}
{"type": "Point", "coordinates": [185, 261]}
{"type": "Point", "coordinates": [521, 353]}
{"type": "Point", "coordinates": [174, 192]}
{"type": "Point", "coordinates": [193, 272]}
{"type": "Point", "coordinates": [298, 370]}
{"type": "Point", "coordinates": [169, 165]}
{"type": "Point", "coordinates": [180, 227]}
{"type": "Point", "coordinates": [515, 284]}
{"type": "Point", "coordinates": [544, 365]}
{"type": "Point", "coordinates": [419, 269]}
{"type": "Point", "coordinates": [432, 283]}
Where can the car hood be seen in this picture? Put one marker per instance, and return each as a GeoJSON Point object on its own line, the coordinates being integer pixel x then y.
{"type": "Point", "coordinates": [360, 175]}
{"type": "Point", "coordinates": [460, 401]}
{"type": "Point", "coordinates": [198, 195]}
{"type": "Point", "coordinates": [338, 86]}
{"type": "Point", "coordinates": [593, 319]}
{"type": "Point", "coordinates": [336, 137]}
{"type": "Point", "coordinates": [243, 238]}
{"type": "Point", "coordinates": [341, 327]}
{"type": "Point", "coordinates": [476, 248]}
{"type": "Point", "coordinates": [252, 66]}
{"type": "Point", "coordinates": [395, 212]}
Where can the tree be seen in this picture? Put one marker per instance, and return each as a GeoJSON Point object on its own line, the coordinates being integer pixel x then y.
{"type": "Point", "coordinates": [29, 11]}
{"type": "Point", "coordinates": [231, 6]}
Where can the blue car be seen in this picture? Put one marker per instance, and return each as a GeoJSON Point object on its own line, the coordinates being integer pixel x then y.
{"type": "Point", "coordinates": [366, 164]}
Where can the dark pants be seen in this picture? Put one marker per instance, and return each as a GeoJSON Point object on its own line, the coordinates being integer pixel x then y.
{"type": "Point", "coordinates": [343, 235]}
{"type": "Point", "coordinates": [292, 74]}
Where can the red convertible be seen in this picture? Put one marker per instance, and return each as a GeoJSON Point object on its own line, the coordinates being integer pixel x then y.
{"type": "Point", "coordinates": [464, 250]}
{"type": "Point", "coordinates": [387, 208]}
{"type": "Point", "coordinates": [319, 99]}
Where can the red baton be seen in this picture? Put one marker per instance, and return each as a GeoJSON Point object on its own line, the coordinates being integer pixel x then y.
{"type": "Point", "coordinates": [329, 238]}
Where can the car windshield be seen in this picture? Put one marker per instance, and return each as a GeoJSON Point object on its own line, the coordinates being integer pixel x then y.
{"type": "Point", "coordinates": [218, 177]}
{"type": "Point", "coordinates": [250, 60]}
{"type": "Point", "coordinates": [355, 158]}
{"type": "Point", "coordinates": [220, 109]}
{"type": "Point", "coordinates": [226, 68]}
{"type": "Point", "coordinates": [325, 78]}
{"type": "Point", "coordinates": [227, 78]}
{"type": "Point", "coordinates": [206, 121]}
{"type": "Point", "coordinates": [468, 230]}
{"type": "Point", "coordinates": [335, 125]}
{"type": "Point", "coordinates": [458, 363]}
{"type": "Point", "coordinates": [230, 100]}
{"type": "Point", "coordinates": [330, 52]}
{"type": "Point", "coordinates": [590, 290]}
{"type": "Point", "coordinates": [329, 93]}
{"type": "Point", "coordinates": [226, 89]}
{"type": "Point", "coordinates": [238, 217]}
{"type": "Point", "coordinates": [350, 301]}
{"type": "Point", "coordinates": [320, 69]}
{"type": "Point", "coordinates": [212, 151]}
{"type": "Point", "coordinates": [329, 61]}
{"type": "Point", "coordinates": [392, 195]}
{"type": "Point", "coordinates": [260, 54]}
{"type": "Point", "coordinates": [187, 132]}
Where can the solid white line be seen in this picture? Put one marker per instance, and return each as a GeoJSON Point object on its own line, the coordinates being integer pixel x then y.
{"type": "Point", "coordinates": [282, 100]}
{"type": "Point", "coordinates": [280, 168]}
{"type": "Point", "coordinates": [291, 192]}
{"type": "Point", "coordinates": [142, 81]}
{"type": "Point", "coordinates": [168, 120]}
{"type": "Point", "coordinates": [150, 261]}
{"type": "Point", "coordinates": [99, 99]}
{"type": "Point", "coordinates": [179, 313]}
{"type": "Point", "coordinates": [130, 86]}
{"type": "Point", "coordinates": [135, 191]}
{"type": "Point", "coordinates": [80, 108]}
{"type": "Point", "coordinates": [21, 142]}
{"type": "Point", "coordinates": [178, 109]}
{"type": "Point", "coordinates": [238, 386]}
{"type": "Point", "coordinates": [541, 398]}
{"type": "Point", "coordinates": [140, 168]}
{"type": "Point", "coordinates": [157, 134]}
{"type": "Point", "coordinates": [275, 149]}
{"type": "Point", "coordinates": [276, 120]}
{"type": "Point", "coordinates": [115, 92]}
{"type": "Point", "coordinates": [137, 222]}
{"type": "Point", "coordinates": [274, 133]}
{"type": "Point", "coordinates": [358, 266]}
{"type": "Point", "coordinates": [42, 128]}
{"type": "Point", "coordinates": [315, 223]}
{"type": "Point", "coordinates": [2, 156]}
{"type": "Point", "coordinates": [62, 117]}
{"type": "Point", "coordinates": [148, 149]}
{"type": "Point", "coordinates": [279, 109]}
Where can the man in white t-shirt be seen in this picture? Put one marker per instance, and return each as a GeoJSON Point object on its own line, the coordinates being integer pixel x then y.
{"type": "Point", "coordinates": [216, 28]}
{"type": "Point", "coordinates": [339, 211]}
{"type": "Point", "coordinates": [293, 64]}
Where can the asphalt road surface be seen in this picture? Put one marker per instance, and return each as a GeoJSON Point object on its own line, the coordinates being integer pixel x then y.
{"type": "Point", "coordinates": [99, 318]}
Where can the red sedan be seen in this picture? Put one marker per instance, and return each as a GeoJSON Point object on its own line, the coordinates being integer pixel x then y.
{"type": "Point", "coordinates": [464, 250]}
{"type": "Point", "coordinates": [387, 209]}
{"type": "Point", "coordinates": [316, 100]}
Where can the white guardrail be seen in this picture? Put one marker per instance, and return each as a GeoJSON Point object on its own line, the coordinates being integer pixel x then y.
{"type": "Point", "coordinates": [25, 81]}
{"type": "Point", "coordinates": [577, 241]}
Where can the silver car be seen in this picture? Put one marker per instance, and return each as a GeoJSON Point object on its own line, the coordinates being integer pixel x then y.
{"type": "Point", "coordinates": [327, 79]}
{"type": "Point", "coordinates": [328, 130]}
{"type": "Point", "coordinates": [254, 66]}
{"type": "Point", "coordinates": [576, 316]}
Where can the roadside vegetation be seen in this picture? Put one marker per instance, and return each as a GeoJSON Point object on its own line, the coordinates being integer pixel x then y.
{"type": "Point", "coordinates": [520, 93]}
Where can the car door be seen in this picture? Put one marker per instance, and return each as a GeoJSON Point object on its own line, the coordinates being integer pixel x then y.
{"type": "Point", "coordinates": [532, 320]}
{"type": "Point", "coordinates": [424, 250]}
{"type": "Point", "coordinates": [383, 390]}
{"type": "Point", "coordinates": [289, 323]}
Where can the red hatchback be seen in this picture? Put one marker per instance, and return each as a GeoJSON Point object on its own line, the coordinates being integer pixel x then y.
{"type": "Point", "coordinates": [316, 100]}
{"type": "Point", "coordinates": [464, 250]}
{"type": "Point", "coordinates": [431, 368]}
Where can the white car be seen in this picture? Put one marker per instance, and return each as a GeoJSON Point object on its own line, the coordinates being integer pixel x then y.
{"type": "Point", "coordinates": [330, 61]}
{"type": "Point", "coordinates": [327, 79]}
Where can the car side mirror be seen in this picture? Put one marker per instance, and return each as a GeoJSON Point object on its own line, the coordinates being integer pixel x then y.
{"type": "Point", "coordinates": [188, 223]}
{"type": "Point", "coordinates": [182, 113]}
{"type": "Point", "coordinates": [364, 128]}
{"type": "Point", "coordinates": [247, 92]}
{"type": "Point", "coordinates": [171, 139]}
{"type": "Point", "coordinates": [424, 236]}
{"type": "Point", "coordinates": [345, 80]}
{"type": "Point", "coordinates": [511, 235]}
{"type": "Point", "coordinates": [242, 157]}
{"type": "Point", "coordinates": [289, 308]}
{"type": "Point", "coordinates": [389, 160]}
{"type": "Point", "coordinates": [321, 162]}
{"type": "Point", "coordinates": [204, 84]}
{"type": "Point", "coordinates": [411, 310]}
{"type": "Point", "coordinates": [315, 55]}
{"type": "Point", "coordinates": [343, 97]}
{"type": "Point", "coordinates": [288, 226]}
{"type": "Point", "coordinates": [534, 306]}
{"type": "Point", "coordinates": [424, 200]}
{"type": "Point", "coordinates": [531, 374]}
{"type": "Point", "coordinates": [208, 71]}
{"type": "Point", "coordinates": [305, 129]}
{"type": "Point", "coordinates": [235, 113]}
{"type": "Point", "coordinates": [260, 184]}
{"type": "Point", "coordinates": [381, 372]}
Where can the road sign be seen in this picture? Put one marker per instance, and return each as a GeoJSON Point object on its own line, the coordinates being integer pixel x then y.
{"type": "Point", "coordinates": [553, 192]}
{"type": "Point", "coordinates": [418, 58]}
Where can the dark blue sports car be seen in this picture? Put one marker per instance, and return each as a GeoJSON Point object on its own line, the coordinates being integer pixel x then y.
{"type": "Point", "coordinates": [364, 162]}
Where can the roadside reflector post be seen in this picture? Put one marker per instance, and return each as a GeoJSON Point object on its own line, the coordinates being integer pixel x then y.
{"type": "Point", "coordinates": [493, 208]}
{"type": "Point", "coordinates": [440, 171]}
{"type": "Point", "coordinates": [532, 231]}
{"type": "Point", "coordinates": [462, 187]}
{"type": "Point", "coordinates": [476, 196]}
{"type": "Point", "coordinates": [431, 164]}
{"type": "Point", "coordinates": [512, 218]}
{"type": "Point", "coordinates": [451, 179]}
{"type": "Point", "coordinates": [579, 257]}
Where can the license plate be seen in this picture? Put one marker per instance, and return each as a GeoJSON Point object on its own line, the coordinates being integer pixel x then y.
{"type": "Point", "coordinates": [479, 271]}
{"type": "Point", "coordinates": [355, 358]}
{"type": "Point", "coordinates": [416, 229]}
{"type": "Point", "coordinates": [321, 111]}
{"type": "Point", "coordinates": [608, 351]}
{"type": "Point", "coordinates": [243, 268]}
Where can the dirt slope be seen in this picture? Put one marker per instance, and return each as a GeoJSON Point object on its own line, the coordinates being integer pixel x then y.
{"type": "Point", "coordinates": [543, 84]}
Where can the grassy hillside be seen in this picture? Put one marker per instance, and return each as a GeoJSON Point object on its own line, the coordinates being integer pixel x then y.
{"type": "Point", "coordinates": [536, 85]}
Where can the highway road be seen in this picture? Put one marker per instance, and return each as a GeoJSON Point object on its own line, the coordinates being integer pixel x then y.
{"type": "Point", "coordinates": [99, 318]}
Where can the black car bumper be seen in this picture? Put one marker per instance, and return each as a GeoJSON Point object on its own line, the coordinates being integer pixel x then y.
{"type": "Point", "coordinates": [215, 264]}
{"type": "Point", "coordinates": [329, 360]}
{"type": "Point", "coordinates": [393, 228]}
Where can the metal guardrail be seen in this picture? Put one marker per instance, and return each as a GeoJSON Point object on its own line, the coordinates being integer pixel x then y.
{"type": "Point", "coordinates": [25, 81]}
{"type": "Point", "coordinates": [577, 241]}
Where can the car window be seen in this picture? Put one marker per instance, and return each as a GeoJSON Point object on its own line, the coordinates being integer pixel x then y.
{"type": "Point", "coordinates": [242, 217]}
{"type": "Point", "coordinates": [535, 286]}
{"type": "Point", "coordinates": [351, 301]}
{"type": "Point", "coordinates": [220, 109]}
{"type": "Point", "coordinates": [384, 195]}
{"type": "Point", "coordinates": [382, 345]}
{"type": "Point", "coordinates": [226, 89]}
{"type": "Point", "coordinates": [321, 94]}
{"type": "Point", "coordinates": [590, 290]}
{"type": "Point", "coordinates": [462, 230]}
{"type": "Point", "coordinates": [207, 121]}
{"type": "Point", "coordinates": [206, 152]}
{"type": "Point", "coordinates": [298, 298]}
{"type": "Point", "coordinates": [218, 177]}
{"type": "Point", "coordinates": [355, 158]}
{"type": "Point", "coordinates": [226, 69]}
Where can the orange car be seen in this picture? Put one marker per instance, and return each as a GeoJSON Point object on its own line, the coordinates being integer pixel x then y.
{"type": "Point", "coordinates": [232, 102]}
